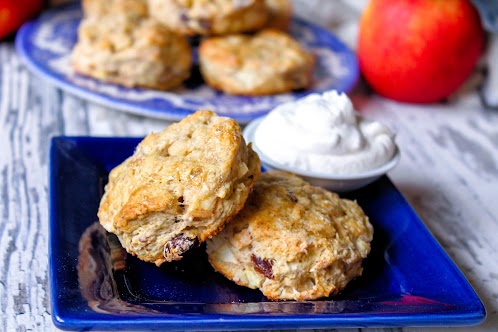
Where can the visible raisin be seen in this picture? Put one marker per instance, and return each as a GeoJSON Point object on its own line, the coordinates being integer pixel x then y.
{"type": "Point", "coordinates": [262, 266]}
{"type": "Point", "coordinates": [291, 196]}
{"type": "Point", "coordinates": [180, 201]}
{"type": "Point", "coordinates": [184, 17]}
{"type": "Point", "coordinates": [175, 248]}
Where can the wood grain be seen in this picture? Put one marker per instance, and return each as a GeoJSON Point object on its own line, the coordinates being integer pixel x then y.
{"type": "Point", "coordinates": [25, 128]}
{"type": "Point", "coordinates": [449, 175]}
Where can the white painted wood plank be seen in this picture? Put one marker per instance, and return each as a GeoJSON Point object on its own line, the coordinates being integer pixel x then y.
{"type": "Point", "coordinates": [449, 175]}
{"type": "Point", "coordinates": [23, 230]}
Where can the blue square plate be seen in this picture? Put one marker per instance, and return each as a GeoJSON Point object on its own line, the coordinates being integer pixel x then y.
{"type": "Point", "coordinates": [408, 279]}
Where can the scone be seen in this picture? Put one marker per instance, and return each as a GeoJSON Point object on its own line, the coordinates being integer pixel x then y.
{"type": "Point", "coordinates": [131, 51]}
{"type": "Point", "coordinates": [210, 17]}
{"type": "Point", "coordinates": [293, 241]}
{"type": "Point", "coordinates": [129, 8]}
{"type": "Point", "coordinates": [269, 62]}
{"type": "Point", "coordinates": [279, 14]}
{"type": "Point", "coordinates": [180, 187]}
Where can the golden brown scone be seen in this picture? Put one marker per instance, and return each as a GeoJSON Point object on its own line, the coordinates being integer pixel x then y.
{"type": "Point", "coordinates": [269, 62]}
{"type": "Point", "coordinates": [131, 51]}
{"type": "Point", "coordinates": [210, 17]}
{"type": "Point", "coordinates": [279, 14]}
{"type": "Point", "coordinates": [180, 187]}
{"type": "Point", "coordinates": [129, 8]}
{"type": "Point", "coordinates": [293, 240]}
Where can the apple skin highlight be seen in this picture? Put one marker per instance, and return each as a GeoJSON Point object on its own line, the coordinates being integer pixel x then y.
{"type": "Point", "coordinates": [419, 51]}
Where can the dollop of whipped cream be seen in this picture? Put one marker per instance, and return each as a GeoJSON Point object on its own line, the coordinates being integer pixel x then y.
{"type": "Point", "coordinates": [323, 133]}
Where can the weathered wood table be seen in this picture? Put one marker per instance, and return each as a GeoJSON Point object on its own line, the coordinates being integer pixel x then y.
{"type": "Point", "coordinates": [448, 173]}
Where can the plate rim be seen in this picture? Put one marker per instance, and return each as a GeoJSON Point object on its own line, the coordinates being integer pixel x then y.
{"type": "Point", "coordinates": [172, 113]}
{"type": "Point", "coordinates": [214, 321]}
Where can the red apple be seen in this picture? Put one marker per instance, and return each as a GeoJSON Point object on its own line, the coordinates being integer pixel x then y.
{"type": "Point", "coordinates": [419, 50]}
{"type": "Point", "coordinates": [13, 13]}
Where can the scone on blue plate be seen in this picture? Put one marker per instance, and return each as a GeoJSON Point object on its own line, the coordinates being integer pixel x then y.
{"type": "Point", "coordinates": [180, 187]}
{"type": "Point", "coordinates": [119, 43]}
{"type": "Point", "coordinates": [268, 62]}
{"type": "Point", "coordinates": [293, 241]}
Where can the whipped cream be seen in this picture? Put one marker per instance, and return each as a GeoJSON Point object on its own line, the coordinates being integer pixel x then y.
{"type": "Point", "coordinates": [323, 133]}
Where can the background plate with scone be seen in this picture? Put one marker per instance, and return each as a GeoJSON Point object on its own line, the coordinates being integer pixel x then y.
{"type": "Point", "coordinates": [46, 45]}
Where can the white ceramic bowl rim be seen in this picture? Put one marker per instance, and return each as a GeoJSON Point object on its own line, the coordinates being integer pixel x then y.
{"type": "Point", "coordinates": [249, 137]}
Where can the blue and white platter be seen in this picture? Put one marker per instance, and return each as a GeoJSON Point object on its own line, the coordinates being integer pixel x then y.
{"type": "Point", "coordinates": [45, 45]}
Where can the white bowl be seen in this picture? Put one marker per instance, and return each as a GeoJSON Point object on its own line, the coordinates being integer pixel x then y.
{"type": "Point", "coordinates": [333, 182]}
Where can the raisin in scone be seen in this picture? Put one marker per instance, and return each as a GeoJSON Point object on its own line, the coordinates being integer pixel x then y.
{"type": "Point", "coordinates": [292, 240]}
{"type": "Point", "coordinates": [131, 51]}
{"type": "Point", "coordinates": [180, 187]}
{"type": "Point", "coordinates": [210, 17]}
{"type": "Point", "coordinates": [268, 62]}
